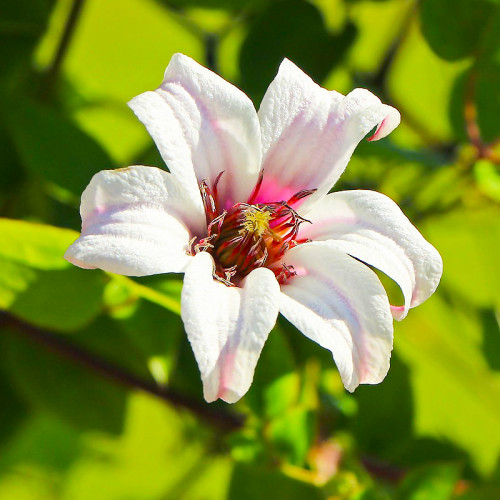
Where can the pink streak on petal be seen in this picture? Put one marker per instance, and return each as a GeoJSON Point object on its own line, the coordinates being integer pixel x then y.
{"type": "Point", "coordinates": [226, 371]}
{"type": "Point", "coordinates": [398, 312]}
{"type": "Point", "coordinates": [378, 132]}
{"type": "Point", "coordinates": [271, 190]}
{"type": "Point", "coordinates": [387, 125]}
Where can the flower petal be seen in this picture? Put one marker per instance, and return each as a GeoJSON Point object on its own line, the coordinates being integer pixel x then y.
{"type": "Point", "coordinates": [340, 304]}
{"type": "Point", "coordinates": [202, 126]}
{"type": "Point", "coordinates": [135, 221]}
{"type": "Point", "coordinates": [309, 133]}
{"type": "Point", "coordinates": [227, 326]}
{"type": "Point", "coordinates": [372, 228]}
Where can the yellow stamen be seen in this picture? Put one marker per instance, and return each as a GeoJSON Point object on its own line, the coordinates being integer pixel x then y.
{"type": "Point", "coordinates": [256, 222]}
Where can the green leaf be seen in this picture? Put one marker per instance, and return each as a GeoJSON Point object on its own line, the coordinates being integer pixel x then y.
{"type": "Point", "coordinates": [276, 385]}
{"type": "Point", "coordinates": [53, 148]}
{"type": "Point", "coordinates": [479, 85]}
{"type": "Point", "coordinates": [487, 99]}
{"type": "Point", "coordinates": [293, 29]}
{"type": "Point", "coordinates": [491, 338]}
{"type": "Point", "coordinates": [249, 482]}
{"type": "Point", "coordinates": [468, 241]}
{"type": "Point", "coordinates": [424, 102]}
{"type": "Point", "coordinates": [42, 439]}
{"type": "Point", "coordinates": [454, 28]}
{"type": "Point", "coordinates": [21, 25]}
{"type": "Point", "coordinates": [456, 395]}
{"type": "Point", "coordinates": [378, 26]}
{"type": "Point", "coordinates": [431, 482]}
{"type": "Point", "coordinates": [63, 386]}
{"type": "Point", "coordinates": [120, 49]}
{"type": "Point", "coordinates": [108, 339]}
{"type": "Point", "coordinates": [15, 407]}
{"type": "Point", "coordinates": [38, 285]}
{"type": "Point", "coordinates": [62, 300]}
{"type": "Point", "coordinates": [488, 179]}
{"type": "Point", "coordinates": [156, 333]}
{"type": "Point", "coordinates": [394, 429]}
{"type": "Point", "coordinates": [162, 454]}
{"type": "Point", "coordinates": [292, 434]}
{"type": "Point", "coordinates": [215, 4]}
{"type": "Point", "coordinates": [11, 173]}
{"type": "Point", "coordinates": [35, 245]}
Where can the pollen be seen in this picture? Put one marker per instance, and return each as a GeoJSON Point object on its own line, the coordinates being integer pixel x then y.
{"type": "Point", "coordinates": [256, 222]}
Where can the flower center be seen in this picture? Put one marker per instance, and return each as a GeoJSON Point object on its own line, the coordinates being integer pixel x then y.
{"type": "Point", "coordinates": [256, 222]}
{"type": "Point", "coordinates": [248, 236]}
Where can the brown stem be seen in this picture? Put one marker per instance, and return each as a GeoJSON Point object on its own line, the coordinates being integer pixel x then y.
{"type": "Point", "coordinates": [211, 43]}
{"type": "Point", "coordinates": [62, 49]}
{"type": "Point", "coordinates": [470, 113]}
{"type": "Point", "coordinates": [224, 420]}
{"type": "Point", "coordinates": [383, 470]}
{"type": "Point", "coordinates": [484, 150]}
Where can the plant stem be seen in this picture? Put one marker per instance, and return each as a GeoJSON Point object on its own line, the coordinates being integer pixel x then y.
{"type": "Point", "coordinates": [471, 124]}
{"type": "Point", "coordinates": [224, 420]}
{"type": "Point", "coordinates": [62, 49]}
{"type": "Point", "coordinates": [211, 46]}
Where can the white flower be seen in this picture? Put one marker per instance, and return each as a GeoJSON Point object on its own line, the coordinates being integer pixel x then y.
{"type": "Point", "coordinates": [246, 215]}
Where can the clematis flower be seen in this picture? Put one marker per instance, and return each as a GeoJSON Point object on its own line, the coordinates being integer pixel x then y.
{"type": "Point", "coordinates": [246, 215]}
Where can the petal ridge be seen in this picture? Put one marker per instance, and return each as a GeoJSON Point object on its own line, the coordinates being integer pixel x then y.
{"type": "Point", "coordinates": [227, 326]}
{"type": "Point", "coordinates": [304, 125]}
{"type": "Point", "coordinates": [136, 221]}
{"type": "Point", "coordinates": [372, 228]}
{"type": "Point", "coordinates": [339, 303]}
{"type": "Point", "coordinates": [203, 125]}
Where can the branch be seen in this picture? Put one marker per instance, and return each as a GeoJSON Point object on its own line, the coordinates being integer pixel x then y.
{"type": "Point", "coordinates": [224, 420]}
{"type": "Point", "coordinates": [483, 150]}
{"type": "Point", "coordinates": [55, 67]}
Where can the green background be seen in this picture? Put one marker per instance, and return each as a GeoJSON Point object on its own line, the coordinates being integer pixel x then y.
{"type": "Point", "coordinates": [77, 345]}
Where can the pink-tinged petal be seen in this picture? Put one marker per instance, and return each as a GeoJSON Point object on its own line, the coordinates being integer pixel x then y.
{"type": "Point", "coordinates": [372, 228]}
{"type": "Point", "coordinates": [387, 125]}
{"type": "Point", "coordinates": [227, 326]}
{"type": "Point", "coordinates": [136, 221]}
{"type": "Point", "coordinates": [339, 303]}
{"type": "Point", "coordinates": [203, 125]}
{"type": "Point", "coordinates": [309, 133]}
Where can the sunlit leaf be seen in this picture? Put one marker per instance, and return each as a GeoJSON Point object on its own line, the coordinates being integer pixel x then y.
{"type": "Point", "coordinates": [488, 179]}
{"type": "Point", "coordinates": [423, 101]}
{"type": "Point", "coordinates": [121, 48]}
{"type": "Point", "coordinates": [378, 25]}
{"type": "Point", "coordinates": [161, 454]}
{"type": "Point", "coordinates": [292, 434]}
{"type": "Point", "coordinates": [38, 285]}
{"type": "Point", "coordinates": [468, 241]}
{"type": "Point", "coordinates": [432, 482]}
{"type": "Point", "coordinates": [456, 395]}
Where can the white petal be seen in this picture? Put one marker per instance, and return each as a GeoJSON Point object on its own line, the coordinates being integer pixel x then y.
{"type": "Point", "coordinates": [227, 326]}
{"type": "Point", "coordinates": [340, 304]}
{"type": "Point", "coordinates": [136, 221]}
{"type": "Point", "coordinates": [309, 133]}
{"type": "Point", "coordinates": [372, 228]}
{"type": "Point", "coordinates": [203, 125]}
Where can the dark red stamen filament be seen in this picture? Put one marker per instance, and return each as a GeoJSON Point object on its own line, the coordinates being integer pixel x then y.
{"type": "Point", "coordinates": [247, 235]}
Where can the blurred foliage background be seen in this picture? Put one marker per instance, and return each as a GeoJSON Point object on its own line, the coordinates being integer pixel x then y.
{"type": "Point", "coordinates": [100, 396]}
